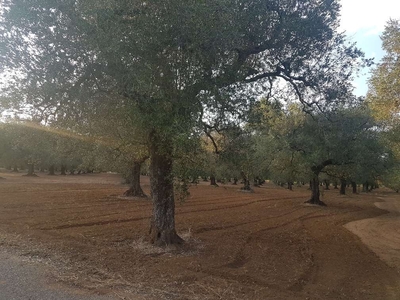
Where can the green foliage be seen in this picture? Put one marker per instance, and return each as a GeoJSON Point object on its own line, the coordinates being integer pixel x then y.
{"type": "Point", "coordinates": [24, 143]}
{"type": "Point", "coordinates": [391, 177]}
{"type": "Point", "coordinates": [343, 142]}
{"type": "Point", "coordinates": [175, 61]}
{"type": "Point", "coordinates": [384, 87]}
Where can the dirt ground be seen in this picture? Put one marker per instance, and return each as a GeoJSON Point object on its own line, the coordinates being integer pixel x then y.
{"type": "Point", "coordinates": [261, 245]}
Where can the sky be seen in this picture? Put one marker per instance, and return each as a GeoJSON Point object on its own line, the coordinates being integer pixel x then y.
{"type": "Point", "coordinates": [364, 21]}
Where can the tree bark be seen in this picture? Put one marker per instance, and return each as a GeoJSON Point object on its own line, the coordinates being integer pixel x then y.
{"type": "Point", "coordinates": [290, 185]}
{"type": "Point", "coordinates": [235, 180]}
{"type": "Point", "coordinates": [335, 185]}
{"type": "Point", "coordinates": [15, 169]}
{"type": "Point", "coordinates": [135, 189]}
{"type": "Point", "coordinates": [52, 170]}
{"type": "Point", "coordinates": [354, 187]}
{"type": "Point", "coordinates": [213, 181]}
{"type": "Point", "coordinates": [63, 170]}
{"type": "Point", "coordinates": [343, 184]}
{"type": "Point", "coordinates": [315, 194]}
{"type": "Point", "coordinates": [162, 227]}
{"type": "Point", "coordinates": [314, 183]}
{"type": "Point", "coordinates": [326, 184]}
{"type": "Point", "coordinates": [246, 182]}
{"type": "Point", "coordinates": [31, 169]}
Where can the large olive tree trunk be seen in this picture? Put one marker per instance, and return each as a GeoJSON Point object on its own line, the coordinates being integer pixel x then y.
{"type": "Point", "coordinates": [314, 183]}
{"type": "Point", "coordinates": [31, 169]}
{"type": "Point", "coordinates": [213, 180]}
{"type": "Point", "coordinates": [315, 193]}
{"type": "Point", "coordinates": [162, 227]}
{"type": "Point", "coordinates": [135, 189]}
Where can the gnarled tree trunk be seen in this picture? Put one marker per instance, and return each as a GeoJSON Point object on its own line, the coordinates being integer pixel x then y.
{"type": "Point", "coordinates": [31, 169]}
{"type": "Point", "coordinates": [135, 189]}
{"type": "Point", "coordinates": [314, 183]}
{"type": "Point", "coordinates": [51, 170]}
{"type": "Point", "coordinates": [343, 184]}
{"type": "Point", "coordinates": [246, 182]}
{"type": "Point", "coordinates": [326, 184]}
{"type": "Point", "coordinates": [213, 181]}
{"type": "Point", "coordinates": [315, 194]}
{"type": "Point", "coordinates": [63, 170]}
{"type": "Point", "coordinates": [162, 228]}
{"type": "Point", "coordinates": [354, 186]}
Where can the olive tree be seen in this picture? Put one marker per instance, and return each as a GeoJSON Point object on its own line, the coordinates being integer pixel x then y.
{"type": "Point", "coordinates": [174, 62]}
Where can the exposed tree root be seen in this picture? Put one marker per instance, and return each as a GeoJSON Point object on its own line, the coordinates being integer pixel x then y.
{"type": "Point", "coordinates": [245, 190]}
{"type": "Point", "coordinates": [30, 175]}
{"type": "Point", "coordinates": [319, 202]}
{"type": "Point", "coordinates": [164, 237]}
{"type": "Point", "coordinates": [135, 193]}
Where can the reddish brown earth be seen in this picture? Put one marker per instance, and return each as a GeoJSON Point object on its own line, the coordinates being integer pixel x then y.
{"type": "Point", "coordinates": [262, 245]}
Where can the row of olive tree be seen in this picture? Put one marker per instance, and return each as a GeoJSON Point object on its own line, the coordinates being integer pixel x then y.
{"type": "Point", "coordinates": [344, 145]}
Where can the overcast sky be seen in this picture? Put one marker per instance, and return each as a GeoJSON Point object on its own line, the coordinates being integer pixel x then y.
{"type": "Point", "coordinates": [364, 21]}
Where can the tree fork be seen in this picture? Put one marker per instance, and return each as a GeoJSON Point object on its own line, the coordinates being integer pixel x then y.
{"type": "Point", "coordinates": [314, 183]}
{"type": "Point", "coordinates": [315, 194]}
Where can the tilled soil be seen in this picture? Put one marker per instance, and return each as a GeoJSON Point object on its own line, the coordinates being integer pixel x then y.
{"type": "Point", "coordinates": [262, 245]}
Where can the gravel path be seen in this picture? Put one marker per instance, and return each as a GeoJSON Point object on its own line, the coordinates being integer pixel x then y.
{"type": "Point", "coordinates": [25, 280]}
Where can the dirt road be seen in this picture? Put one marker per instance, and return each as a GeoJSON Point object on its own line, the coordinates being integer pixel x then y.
{"type": "Point", "coordinates": [382, 233]}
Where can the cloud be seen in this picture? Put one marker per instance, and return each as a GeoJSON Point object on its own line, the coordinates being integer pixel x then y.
{"type": "Point", "coordinates": [369, 16]}
{"type": "Point", "coordinates": [363, 22]}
